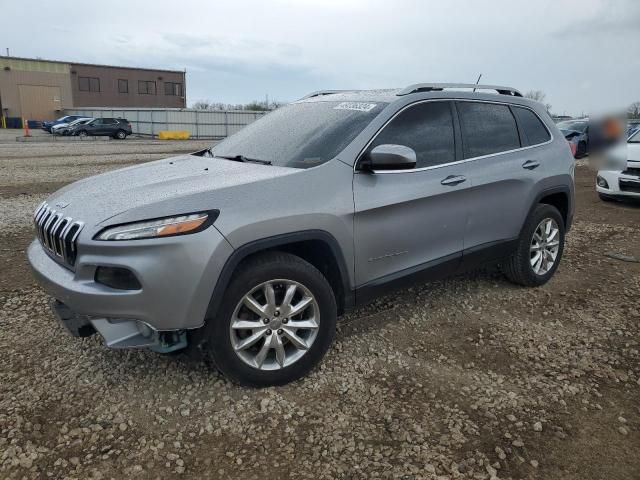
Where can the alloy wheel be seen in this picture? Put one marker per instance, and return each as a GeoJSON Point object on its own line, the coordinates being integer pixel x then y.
{"type": "Point", "coordinates": [274, 324]}
{"type": "Point", "coordinates": [545, 246]}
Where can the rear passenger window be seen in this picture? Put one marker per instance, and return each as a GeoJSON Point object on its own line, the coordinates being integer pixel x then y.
{"type": "Point", "coordinates": [487, 128]}
{"type": "Point", "coordinates": [532, 129]}
{"type": "Point", "coordinates": [427, 128]}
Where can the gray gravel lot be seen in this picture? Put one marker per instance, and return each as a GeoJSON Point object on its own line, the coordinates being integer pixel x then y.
{"type": "Point", "coordinates": [466, 378]}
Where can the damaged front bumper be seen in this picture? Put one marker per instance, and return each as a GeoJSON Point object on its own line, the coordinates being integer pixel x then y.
{"type": "Point", "coordinates": [119, 333]}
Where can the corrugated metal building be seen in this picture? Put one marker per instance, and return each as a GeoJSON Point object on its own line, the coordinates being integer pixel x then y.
{"type": "Point", "coordinates": [40, 89]}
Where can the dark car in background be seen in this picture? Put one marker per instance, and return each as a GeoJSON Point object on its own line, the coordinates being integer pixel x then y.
{"type": "Point", "coordinates": [118, 128]}
{"type": "Point", "coordinates": [577, 134]}
{"type": "Point", "coordinates": [66, 119]}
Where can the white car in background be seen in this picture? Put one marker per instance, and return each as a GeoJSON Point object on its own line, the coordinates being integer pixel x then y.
{"type": "Point", "coordinates": [625, 184]}
{"type": "Point", "coordinates": [61, 128]}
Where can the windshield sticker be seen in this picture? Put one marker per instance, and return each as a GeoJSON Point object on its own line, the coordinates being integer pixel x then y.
{"type": "Point", "coordinates": [358, 106]}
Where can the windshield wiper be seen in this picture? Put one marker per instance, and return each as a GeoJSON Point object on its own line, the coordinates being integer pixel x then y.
{"type": "Point", "coordinates": [242, 158]}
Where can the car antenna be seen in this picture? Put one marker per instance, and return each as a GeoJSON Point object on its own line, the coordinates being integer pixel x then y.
{"type": "Point", "coordinates": [478, 81]}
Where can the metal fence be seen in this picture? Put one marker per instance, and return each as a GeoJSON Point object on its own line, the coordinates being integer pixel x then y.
{"type": "Point", "coordinates": [199, 123]}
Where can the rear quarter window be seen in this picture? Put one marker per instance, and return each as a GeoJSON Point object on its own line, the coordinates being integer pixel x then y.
{"type": "Point", "coordinates": [487, 128]}
{"type": "Point", "coordinates": [532, 129]}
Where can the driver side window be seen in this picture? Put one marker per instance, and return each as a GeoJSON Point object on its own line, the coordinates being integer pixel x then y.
{"type": "Point", "coordinates": [427, 128]}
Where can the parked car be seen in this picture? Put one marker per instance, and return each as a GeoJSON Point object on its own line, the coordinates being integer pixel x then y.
{"type": "Point", "coordinates": [622, 184]}
{"type": "Point", "coordinates": [66, 119]}
{"type": "Point", "coordinates": [248, 251]}
{"type": "Point", "coordinates": [118, 128]}
{"type": "Point", "coordinates": [577, 133]}
{"type": "Point", "coordinates": [64, 128]}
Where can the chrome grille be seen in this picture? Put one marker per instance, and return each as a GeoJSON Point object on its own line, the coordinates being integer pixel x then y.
{"type": "Point", "coordinates": [57, 234]}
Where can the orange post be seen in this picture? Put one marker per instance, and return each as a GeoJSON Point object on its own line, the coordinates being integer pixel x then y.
{"type": "Point", "coordinates": [26, 127]}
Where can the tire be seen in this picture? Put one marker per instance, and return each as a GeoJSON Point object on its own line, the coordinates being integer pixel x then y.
{"type": "Point", "coordinates": [518, 267]}
{"type": "Point", "coordinates": [120, 135]}
{"type": "Point", "coordinates": [581, 150]}
{"type": "Point", "coordinates": [223, 345]}
{"type": "Point", "coordinates": [82, 133]}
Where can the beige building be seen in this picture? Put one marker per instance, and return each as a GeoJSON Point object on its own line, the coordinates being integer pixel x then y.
{"type": "Point", "coordinates": [40, 89]}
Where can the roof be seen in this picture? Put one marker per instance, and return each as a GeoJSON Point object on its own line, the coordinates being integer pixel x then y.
{"type": "Point", "coordinates": [4, 57]}
{"type": "Point", "coordinates": [391, 95]}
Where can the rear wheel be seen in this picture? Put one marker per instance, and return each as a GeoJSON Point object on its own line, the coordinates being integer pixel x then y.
{"type": "Point", "coordinates": [581, 150]}
{"type": "Point", "coordinates": [276, 323]}
{"type": "Point", "coordinates": [120, 135]}
{"type": "Point", "coordinates": [539, 250]}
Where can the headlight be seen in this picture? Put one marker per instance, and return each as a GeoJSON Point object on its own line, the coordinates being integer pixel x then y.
{"type": "Point", "coordinates": [161, 227]}
{"type": "Point", "coordinates": [602, 183]}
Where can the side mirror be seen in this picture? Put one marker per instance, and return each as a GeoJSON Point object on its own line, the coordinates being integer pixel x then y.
{"type": "Point", "coordinates": [389, 157]}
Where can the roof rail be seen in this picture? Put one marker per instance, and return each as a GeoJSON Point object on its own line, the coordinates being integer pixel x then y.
{"type": "Point", "coordinates": [321, 93]}
{"type": "Point", "coordinates": [437, 87]}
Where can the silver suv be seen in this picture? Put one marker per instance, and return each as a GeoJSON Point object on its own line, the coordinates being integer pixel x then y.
{"type": "Point", "coordinates": [247, 252]}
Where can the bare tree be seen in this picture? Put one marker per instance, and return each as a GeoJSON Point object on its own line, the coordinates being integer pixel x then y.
{"type": "Point", "coordinates": [252, 106]}
{"type": "Point", "coordinates": [538, 96]}
{"type": "Point", "coordinates": [634, 110]}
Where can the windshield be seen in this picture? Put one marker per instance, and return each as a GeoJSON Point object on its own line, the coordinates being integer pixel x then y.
{"type": "Point", "coordinates": [79, 121]}
{"type": "Point", "coordinates": [575, 126]}
{"type": "Point", "coordinates": [301, 135]}
{"type": "Point", "coordinates": [635, 138]}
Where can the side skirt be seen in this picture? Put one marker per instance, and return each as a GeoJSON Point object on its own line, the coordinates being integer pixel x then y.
{"type": "Point", "coordinates": [476, 257]}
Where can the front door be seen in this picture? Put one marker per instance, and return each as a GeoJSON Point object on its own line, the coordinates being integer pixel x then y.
{"type": "Point", "coordinates": [409, 220]}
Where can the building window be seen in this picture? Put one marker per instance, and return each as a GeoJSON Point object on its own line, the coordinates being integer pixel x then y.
{"type": "Point", "coordinates": [123, 86]}
{"type": "Point", "coordinates": [88, 84]}
{"type": "Point", "coordinates": [146, 87]}
{"type": "Point", "coordinates": [172, 88]}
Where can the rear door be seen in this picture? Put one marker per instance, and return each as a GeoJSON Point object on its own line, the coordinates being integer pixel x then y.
{"type": "Point", "coordinates": [503, 164]}
{"type": "Point", "coordinates": [409, 220]}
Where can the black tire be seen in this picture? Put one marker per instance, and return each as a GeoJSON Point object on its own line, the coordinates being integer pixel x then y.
{"type": "Point", "coordinates": [82, 133]}
{"type": "Point", "coordinates": [581, 150]}
{"type": "Point", "coordinates": [120, 135]}
{"type": "Point", "coordinates": [517, 267]}
{"type": "Point", "coordinates": [217, 346]}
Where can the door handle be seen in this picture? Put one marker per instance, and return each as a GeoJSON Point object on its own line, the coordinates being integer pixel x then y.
{"type": "Point", "coordinates": [530, 164]}
{"type": "Point", "coordinates": [452, 180]}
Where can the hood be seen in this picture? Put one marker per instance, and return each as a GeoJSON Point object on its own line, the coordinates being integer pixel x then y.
{"type": "Point", "coordinates": [633, 152]}
{"type": "Point", "coordinates": [171, 186]}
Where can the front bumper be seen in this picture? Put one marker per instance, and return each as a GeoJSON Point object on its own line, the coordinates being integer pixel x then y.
{"type": "Point", "coordinates": [177, 275]}
{"type": "Point", "coordinates": [613, 179]}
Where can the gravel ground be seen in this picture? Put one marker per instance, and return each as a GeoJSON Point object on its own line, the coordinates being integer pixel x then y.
{"type": "Point", "coordinates": [467, 378]}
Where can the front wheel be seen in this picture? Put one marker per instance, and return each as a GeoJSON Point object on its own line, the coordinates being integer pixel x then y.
{"type": "Point", "coordinates": [539, 249]}
{"type": "Point", "coordinates": [276, 323]}
{"type": "Point", "coordinates": [82, 133]}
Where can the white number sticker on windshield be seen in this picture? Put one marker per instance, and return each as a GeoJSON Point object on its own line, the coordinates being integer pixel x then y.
{"type": "Point", "coordinates": [358, 106]}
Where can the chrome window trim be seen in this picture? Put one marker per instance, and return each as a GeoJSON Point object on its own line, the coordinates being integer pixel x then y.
{"type": "Point", "coordinates": [457, 162]}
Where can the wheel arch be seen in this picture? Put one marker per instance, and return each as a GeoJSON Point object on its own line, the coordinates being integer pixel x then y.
{"type": "Point", "coordinates": [559, 197]}
{"type": "Point", "coordinates": [317, 247]}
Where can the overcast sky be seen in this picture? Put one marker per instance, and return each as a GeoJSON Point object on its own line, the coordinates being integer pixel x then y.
{"type": "Point", "coordinates": [582, 53]}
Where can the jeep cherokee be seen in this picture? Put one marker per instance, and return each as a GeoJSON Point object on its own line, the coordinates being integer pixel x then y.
{"type": "Point", "coordinates": [247, 252]}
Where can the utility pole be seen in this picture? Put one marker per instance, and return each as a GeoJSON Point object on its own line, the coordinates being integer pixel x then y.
{"type": "Point", "coordinates": [8, 52]}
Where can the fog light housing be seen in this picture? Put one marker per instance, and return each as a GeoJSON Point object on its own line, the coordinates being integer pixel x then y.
{"type": "Point", "coordinates": [117, 277]}
{"type": "Point", "coordinates": [602, 183]}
